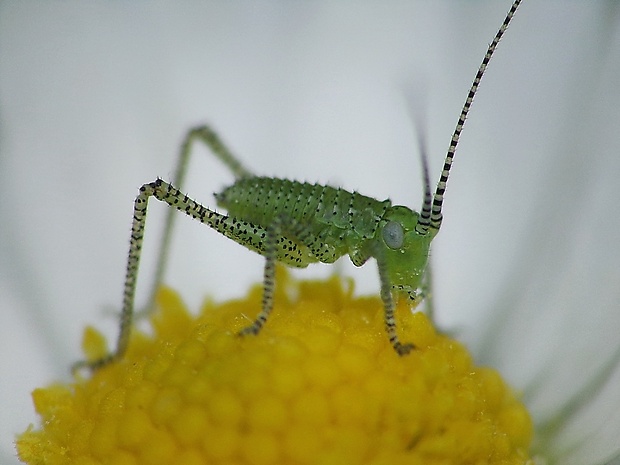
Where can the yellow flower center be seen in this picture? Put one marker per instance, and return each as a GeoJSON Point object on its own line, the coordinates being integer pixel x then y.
{"type": "Point", "coordinates": [319, 385]}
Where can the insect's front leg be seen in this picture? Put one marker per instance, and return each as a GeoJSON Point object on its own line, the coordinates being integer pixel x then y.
{"type": "Point", "coordinates": [209, 137]}
{"type": "Point", "coordinates": [388, 306]}
{"type": "Point", "coordinates": [427, 293]}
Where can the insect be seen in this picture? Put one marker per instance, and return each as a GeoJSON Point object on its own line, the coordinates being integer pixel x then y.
{"type": "Point", "coordinates": [297, 223]}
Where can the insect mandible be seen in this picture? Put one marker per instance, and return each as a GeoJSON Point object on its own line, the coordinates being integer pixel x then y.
{"type": "Point", "coordinates": [297, 223]}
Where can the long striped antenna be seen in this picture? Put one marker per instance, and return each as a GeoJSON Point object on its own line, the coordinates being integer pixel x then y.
{"type": "Point", "coordinates": [425, 211]}
{"type": "Point", "coordinates": [436, 216]}
{"type": "Point", "coordinates": [424, 220]}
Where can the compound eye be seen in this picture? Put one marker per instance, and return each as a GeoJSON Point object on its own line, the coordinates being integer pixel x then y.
{"type": "Point", "coordinates": [393, 235]}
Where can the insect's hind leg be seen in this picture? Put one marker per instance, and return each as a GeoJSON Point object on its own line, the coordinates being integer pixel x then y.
{"type": "Point", "coordinates": [210, 138]}
{"type": "Point", "coordinates": [173, 197]}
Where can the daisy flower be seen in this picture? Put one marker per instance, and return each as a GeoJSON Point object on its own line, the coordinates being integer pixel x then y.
{"type": "Point", "coordinates": [96, 97]}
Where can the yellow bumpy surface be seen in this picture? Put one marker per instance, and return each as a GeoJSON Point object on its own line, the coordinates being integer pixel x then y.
{"type": "Point", "coordinates": [320, 385]}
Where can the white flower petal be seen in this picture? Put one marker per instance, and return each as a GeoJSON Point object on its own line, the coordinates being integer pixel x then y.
{"type": "Point", "coordinates": [95, 99]}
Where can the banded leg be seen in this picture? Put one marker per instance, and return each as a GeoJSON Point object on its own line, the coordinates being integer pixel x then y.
{"type": "Point", "coordinates": [388, 306]}
{"type": "Point", "coordinates": [283, 230]}
{"type": "Point", "coordinates": [207, 136]}
{"type": "Point", "coordinates": [274, 231]}
{"type": "Point", "coordinates": [244, 233]}
{"type": "Point", "coordinates": [427, 293]}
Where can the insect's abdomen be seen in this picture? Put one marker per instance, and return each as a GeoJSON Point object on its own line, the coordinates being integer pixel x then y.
{"type": "Point", "coordinates": [335, 215]}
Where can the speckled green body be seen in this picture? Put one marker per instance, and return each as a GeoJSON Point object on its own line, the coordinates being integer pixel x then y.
{"type": "Point", "coordinates": [340, 221]}
{"type": "Point", "coordinates": [322, 223]}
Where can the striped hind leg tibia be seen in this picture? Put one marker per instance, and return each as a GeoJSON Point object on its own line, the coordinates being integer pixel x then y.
{"type": "Point", "coordinates": [242, 232]}
{"type": "Point", "coordinates": [209, 137]}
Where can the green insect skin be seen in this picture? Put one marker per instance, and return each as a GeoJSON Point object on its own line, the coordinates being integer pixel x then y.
{"type": "Point", "coordinates": [336, 223]}
{"type": "Point", "coordinates": [332, 222]}
{"type": "Point", "coordinates": [406, 265]}
{"type": "Point", "coordinates": [300, 223]}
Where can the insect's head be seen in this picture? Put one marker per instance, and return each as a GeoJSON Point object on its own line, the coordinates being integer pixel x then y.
{"type": "Point", "coordinates": [404, 250]}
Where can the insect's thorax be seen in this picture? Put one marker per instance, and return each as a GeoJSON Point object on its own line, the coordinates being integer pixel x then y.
{"type": "Point", "coordinates": [332, 221]}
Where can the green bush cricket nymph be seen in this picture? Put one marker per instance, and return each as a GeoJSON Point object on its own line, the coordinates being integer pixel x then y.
{"type": "Point", "coordinates": [297, 223]}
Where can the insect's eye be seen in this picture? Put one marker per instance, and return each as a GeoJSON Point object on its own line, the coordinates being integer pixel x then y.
{"type": "Point", "coordinates": [393, 235]}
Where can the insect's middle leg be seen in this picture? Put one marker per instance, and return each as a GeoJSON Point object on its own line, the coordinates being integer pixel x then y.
{"type": "Point", "coordinates": [274, 231]}
{"type": "Point", "coordinates": [280, 235]}
{"type": "Point", "coordinates": [209, 137]}
{"type": "Point", "coordinates": [388, 305]}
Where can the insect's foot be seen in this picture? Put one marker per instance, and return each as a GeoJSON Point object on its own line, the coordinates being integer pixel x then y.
{"type": "Point", "coordinates": [92, 366]}
{"type": "Point", "coordinates": [251, 330]}
{"type": "Point", "coordinates": [403, 349]}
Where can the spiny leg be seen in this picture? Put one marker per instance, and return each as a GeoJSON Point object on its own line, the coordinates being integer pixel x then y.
{"type": "Point", "coordinates": [284, 230]}
{"type": "Point", "coordinates": [131, 274]}
{"type": "Point", "coordinates": [269, 275]}
{"type": "Point", "coordinates": [247, 234]}
{"type": "Point", "coordinates": [427, 293]}
{"type": "Point", "coordinates": [388, 306]}
{"type": "Point", "coordinates": [209, 137]}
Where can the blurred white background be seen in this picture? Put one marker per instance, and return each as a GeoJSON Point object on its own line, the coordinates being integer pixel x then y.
{"type": "Point", "coordinates": [95, 98]}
